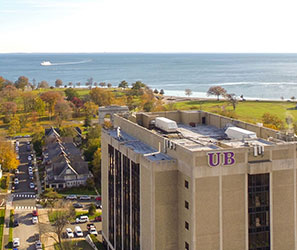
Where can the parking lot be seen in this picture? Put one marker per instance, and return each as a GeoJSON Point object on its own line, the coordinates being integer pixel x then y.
{"type": "Point", "coordinates": [26, 230]}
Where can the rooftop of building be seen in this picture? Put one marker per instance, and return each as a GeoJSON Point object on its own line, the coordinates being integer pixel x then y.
{"type": "Point", "coordinates": [138, 146]}
{"type": "Point", "coordinates": [203, 131]}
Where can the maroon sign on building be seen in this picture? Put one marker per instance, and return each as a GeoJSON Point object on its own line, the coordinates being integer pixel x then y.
{"type": "Point", "coordinates": [216, 159]}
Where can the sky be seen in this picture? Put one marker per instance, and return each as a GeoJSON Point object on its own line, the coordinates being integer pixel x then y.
{"type": "Point", "coordinates": [197, 26]}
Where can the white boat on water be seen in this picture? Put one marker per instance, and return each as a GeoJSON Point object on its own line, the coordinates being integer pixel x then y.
{"type": "Point", "coordinates": [45, 63]}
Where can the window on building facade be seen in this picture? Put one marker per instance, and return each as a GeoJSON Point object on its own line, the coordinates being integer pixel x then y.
{"type": "Point", "coordinates": [259, 215]}
{"type": "Point", "coordinates": [186, 205]}
{"type": "Point", "coordinates": [187, 247]}
{"type": "Point", "coordinates": [186, 184]}
{"type": "Point", "coordinates": [186, 225]}
{"type": "Point", "coordinates": [111, 198]}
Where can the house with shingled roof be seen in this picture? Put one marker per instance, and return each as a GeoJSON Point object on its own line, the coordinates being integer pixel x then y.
{"type": "Point", "coordinates": [63, 161]}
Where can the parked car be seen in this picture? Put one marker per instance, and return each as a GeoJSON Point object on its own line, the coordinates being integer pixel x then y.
{"type": "Point", "coordinates": [98, 198]}
{"type": "Point", "coordinates": [77, 205]}
{"type": "Point", "coordinates": [30, 168]}
{"type": "Point", "coordinates": [16, 242]}
{"type": "Point", "coordinates": [15, 222]}
{"type": "Point", "coordinates": [17, 171]}
{"type": "Point", "coordinates": [32, 185]}
{"type": "Point", "coordinates": [71, 197]}
{"type": "Point", "coordinates": [34, 213]}
{"type": "Point", "coordinates": [30, 172]}
{"type": "Point", "coordinates": [29, 158]}
{"type": "Point", "coordinates": [98, 205]}
{"type": "Point", "coordinates": [69, 233]}
{"type": "Point", "coordinates": [90, 225]}
{"type": "Point", "coordinates": [82, 219]}
{"type": "Point", "coordinates": [38, 245]}
{"type": "Point", "coordinates": [98, 218]}
{"type": "Point", "coordinates": [93, 231]}
{"type": "Point", "coordinates": [34, 219]}
{"type": "Point", "coordinates": [85, 197]}
{"type": "Point", "coordinates": [78, 232]}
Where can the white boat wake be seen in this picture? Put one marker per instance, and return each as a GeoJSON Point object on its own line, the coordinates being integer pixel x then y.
{"type": "Point", "coordinates": [48, 63]}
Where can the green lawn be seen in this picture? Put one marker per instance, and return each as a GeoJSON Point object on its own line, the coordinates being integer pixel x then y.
{"type": "Point", "coordinates": [2, 214]}
{"type": "Point", "coordinates": [250, 111]}
{"type": "Point", "coordinates": [53, 215]}
{"type": "Point", "coordinates": [78, 191]}
{"type": "Point", "coordinates": [75, 245]}
{"type": "Point", "coordinates": [91, 217]}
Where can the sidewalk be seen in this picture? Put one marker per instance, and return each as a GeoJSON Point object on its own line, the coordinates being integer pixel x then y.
{"type": "Point", "coordinates": [46, 238]}
{"type": "Point", "coordinates": [6, 228]}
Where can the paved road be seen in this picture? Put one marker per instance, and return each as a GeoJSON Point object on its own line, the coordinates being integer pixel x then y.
{"type": "Point", "coordinates": [24, 201]}
{"type": "Point", "coordinates": [26, 230]}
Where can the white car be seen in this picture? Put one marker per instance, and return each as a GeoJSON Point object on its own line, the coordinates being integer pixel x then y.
{"type": "Point", "coordinates": [82, 219]}
{"type": "Point", "coordinates": [30, 168]}
{"type": "Point", "coordinates": [17, 171]}
{"type": "Point", "coordinates": [32, 185]}
{"type": "Point", "coordinates": [85, 197]}
{"type": "Point", "coordinates": [71, 197]}
{"type": "Point", "coordinates": [69, 233]}
{"type": "Point", "coordinates": [34, 219]}
{"type": "Point", "coordinates": [29, 158]}
{"type": "Point", "coordinates": [38, 245]}
{"type": "Point", "coordinates": [30, 172]}
{"type": "Point", "coordinates": [16, 242]}
{"type": "Point", "coordinates": [78, 231]}
{"type": "Point", "coordinates": [93, 231]}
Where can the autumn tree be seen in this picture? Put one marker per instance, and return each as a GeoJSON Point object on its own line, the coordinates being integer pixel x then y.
{"type": "Point", "coordinates": [272, 121]}
{"type": "Point", "coordinates": [217, 91]}
{"type": "Point", "coordinates": [51, 98]}
{"type": "Point", "coordinates": [8, 157]}
{"type": "Point", "coordinates": [22, 82]}
{"type": "Point", "coordinates": [43, 85]}
{"type": "Point", "coordinates": [101, 97]}
{"type": "Point", "coordinates": [58, 83]}
{"type": "Point", "coordinates": [123, 84]}
{"type": "Point", "coordinates": [28, 101]}
{"type": "Point", "coordinates": [10, 93]}
{"type": "Point", "coordinates": [8, 109]}
{"type": "Point", "coordinates": [39, 106]}
{"type": "Point", "coordinates": [102, 84]}
{"type": "Point", "coordinates": [2, 82]}
{"type": "Point", "coordinates": [63, 111]}
{"type": "Point", "coordinates": [90, 108]}
{"type": "Point", "coordinates": [232, 100]}
{"type": "Point", "coordinates": [137, 88]}
{"type": "Point", "coordinates": [70, 93]}
{"type": "Point", "coordinates": [96, 165]}
{"type": "Point", "coordinates": [14, 125]}
{"type": "Point", "coordinates": [89, 81]}
{"type": "Point", "coordinates": [188, 92]}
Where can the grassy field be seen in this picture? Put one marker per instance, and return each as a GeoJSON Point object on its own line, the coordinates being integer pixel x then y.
{"type": "Point", "coordinates": [2, 214]}
{"type": "Point", "coordinates": [91, 217]}
{"type": "Point", "coordinates": [75, 245]}
{"type": "Point", "coordinates": [52, 215]}
{"type": "Point", "coordinates": [78, 191]}
{"type": "Point", "coordinates": [250, 111]}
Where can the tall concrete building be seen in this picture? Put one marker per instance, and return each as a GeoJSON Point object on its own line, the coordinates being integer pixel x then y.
{"type": "Point", "coordinates": [211, 183]}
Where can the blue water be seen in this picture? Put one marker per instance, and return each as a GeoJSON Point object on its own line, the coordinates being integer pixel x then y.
{"type": "Point", "coordinates": [252, 75]}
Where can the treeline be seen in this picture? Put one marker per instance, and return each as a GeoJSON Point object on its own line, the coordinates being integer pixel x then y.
{"type": "Point", "coordinates": [23, 108]}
